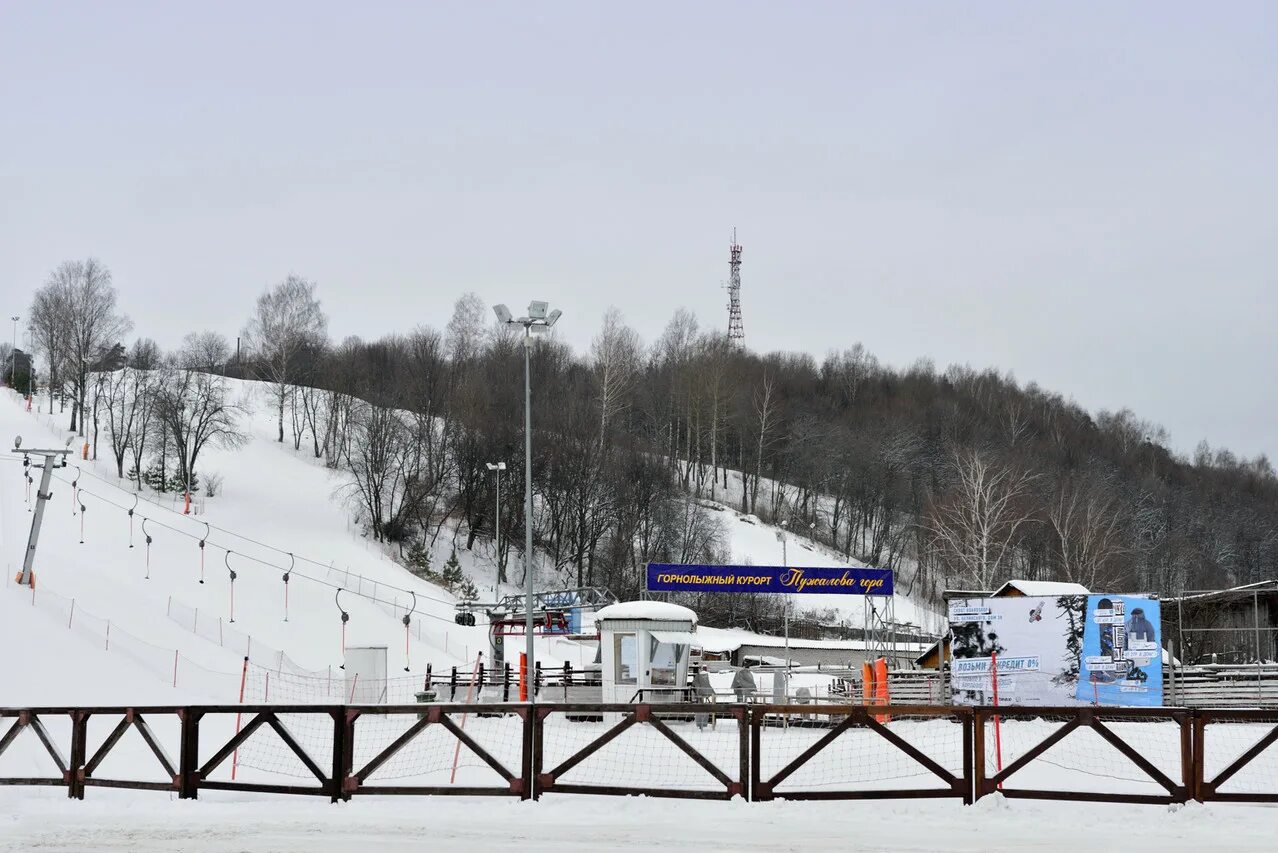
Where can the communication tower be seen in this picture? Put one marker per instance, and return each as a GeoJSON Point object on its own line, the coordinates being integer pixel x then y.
{"type": "Point", "coordinates": [736, 332]}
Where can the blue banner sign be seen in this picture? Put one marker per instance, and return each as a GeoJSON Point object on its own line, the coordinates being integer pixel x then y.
{"type": "Point", "coordinates": [824, 580]}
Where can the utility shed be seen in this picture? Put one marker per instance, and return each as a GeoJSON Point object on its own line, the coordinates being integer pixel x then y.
{"type": "Point", "coordinates": [644, 648]}
{"type": "Point", "coordinates": [1225, 626]}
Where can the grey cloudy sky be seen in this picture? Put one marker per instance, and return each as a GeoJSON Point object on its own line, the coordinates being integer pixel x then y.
{"type": "Point", "coordinates": [1081, 193]}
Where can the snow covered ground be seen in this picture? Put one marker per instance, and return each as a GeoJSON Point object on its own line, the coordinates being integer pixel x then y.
{"type": "Point", "coordinates": [142, 823]}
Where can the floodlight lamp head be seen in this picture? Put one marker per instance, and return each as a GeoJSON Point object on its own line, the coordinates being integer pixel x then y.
{"type": "Point", "coordinates": [502, 312]}
{"type": "Point", "coordinates": [17, 441]}
{"type": "Point", "coordinates": [553, 317]}
{"type": "Point", "coordinates": [537, 309]}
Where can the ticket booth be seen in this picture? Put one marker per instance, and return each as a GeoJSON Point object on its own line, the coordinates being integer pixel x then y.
{"type": "Point", "coordinates": [644, 649]}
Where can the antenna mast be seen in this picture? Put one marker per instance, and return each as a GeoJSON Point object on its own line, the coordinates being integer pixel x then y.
{"type": "Point", "coordinates": [736, 332]}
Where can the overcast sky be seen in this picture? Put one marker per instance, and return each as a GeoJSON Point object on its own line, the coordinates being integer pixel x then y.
{"type": "Point", "coordinates": [1081, 193]}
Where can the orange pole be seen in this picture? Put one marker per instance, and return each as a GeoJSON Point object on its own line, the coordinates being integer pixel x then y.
{"type": "Point", "coordinates": [881, 696]}
{"type": "Point", "coordinates": [867, 683]}
{"type": "Point", "coordinates": [235, 756]}
{"type": "Point", "coordinates": [523, 676]}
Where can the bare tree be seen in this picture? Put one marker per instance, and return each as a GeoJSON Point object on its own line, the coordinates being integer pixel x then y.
{"type": "Point", "coordinates": [1088, 531]}
{"type": "Point", "coordinates": [48, 327]}
{"type": "Point", "coordinates": [286, 322]}
{"type": "Point", "coordinates": [207, 351]}
{"type": "Point", "coordinates": [197, 411]}
{"type": "Point", "coordinates": [765, 409]}
{"type": "Point", "coordinates": [92, 324]}
{"type": "Point", "coordinates": [464, 335]}
{"type": "Point", "coordinates": [615, 356]}
{"type": "Point", "coordinates": [975, 530]}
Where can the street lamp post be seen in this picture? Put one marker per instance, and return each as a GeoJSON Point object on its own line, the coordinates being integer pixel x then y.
{"type": "Point", "coordinates": [497, 468]}
{"type": "Point", "coordinates": [785, 559]}
{"type": "Point", "coordinates": [537, 321]}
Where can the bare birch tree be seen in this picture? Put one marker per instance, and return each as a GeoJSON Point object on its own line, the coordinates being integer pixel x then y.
{"type": "Point", "coordinates": [286, 322]}
{"type": "Point", "coordinates": [975, 529]}
{"type": "Point", "coordinates": [615, 355]}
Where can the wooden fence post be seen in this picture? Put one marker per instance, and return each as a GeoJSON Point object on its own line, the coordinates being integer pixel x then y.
{"type": "Point", "coordinates": [978, 754]}
{"type": "Point", "coordinates": [189, 762]}
{"type": "Point", "coordinates": [969, 727]}
{"type": "Point", "coordinates": [79, 744]}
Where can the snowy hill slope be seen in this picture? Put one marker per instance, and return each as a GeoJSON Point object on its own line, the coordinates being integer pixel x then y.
{"type": "Point", "coordinates": [279, 511]}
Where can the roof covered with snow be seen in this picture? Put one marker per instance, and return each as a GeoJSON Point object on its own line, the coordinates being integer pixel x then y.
{"type": "Point", "coordinates": [1042, 588]}
{"type": "Point", "coordinates": [730, 639]}
{"type": "Point", "coordinates": [656, 610]}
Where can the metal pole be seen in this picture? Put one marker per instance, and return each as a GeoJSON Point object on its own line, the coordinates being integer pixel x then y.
{"type": "Point", "coordinates": [1260, 686]}
{"type": "Point", "coordinates": [497, 536]}
{"type": "Point", "coordinates": [786, 614]}
{"type": "Point", "coordinates": [528, 509]}
{"type": "Point", "coordinates": [42, 497]}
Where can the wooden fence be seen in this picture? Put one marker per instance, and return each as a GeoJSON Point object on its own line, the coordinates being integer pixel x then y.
{"type": "Point", "coordinates": [754, 751]}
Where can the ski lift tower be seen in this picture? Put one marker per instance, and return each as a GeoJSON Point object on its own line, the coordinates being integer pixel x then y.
{"type": "Point", "coordinates": [880, 628]}
{"type": "Point", "coordinates": [51, 459]}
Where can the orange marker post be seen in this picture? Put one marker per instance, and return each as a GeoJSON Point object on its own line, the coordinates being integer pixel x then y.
{"type": "Point", "coordinates": [881, 696]}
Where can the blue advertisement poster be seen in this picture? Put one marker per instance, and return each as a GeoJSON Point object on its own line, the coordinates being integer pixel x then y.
{"type": "Point", "coordinates": [668, 577]}
{"type": "Point", "coordinates": [1122, 659]}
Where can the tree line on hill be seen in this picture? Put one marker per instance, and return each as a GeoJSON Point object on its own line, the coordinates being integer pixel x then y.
{"type": "Point", "coordinates": [956, 478]}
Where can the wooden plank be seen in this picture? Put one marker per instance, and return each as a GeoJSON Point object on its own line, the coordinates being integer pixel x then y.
{"type": "Point", "coordinates": [1088, 796]}
{"type": "Point", "coordinates": [107, 744]}
{"type": "Point", "coordinates": [910, 750]}
{"type": "Point", "coordinates": [618, 791]}
{"type": "Point", "coordinates": [291, 742]}
{"type": "Point", "coordinates": [11, 734]}
{"type": "Point", "coordinates": [49, 746]}
{"type": "Point", "coordinates": [389, 752]}
{"type": "Point", "coordinates": [807, 754]}
{"type": "Point", "coordinates": [476, 748]}
{"type": "Point", "coordinates": [592, 747]}
{"type": "Point", "coordinates": [1136, 758]}
{"type": "Point", "coordinates": [1243, 760]}
{"type": "Point", "coordinates": [896, 794]}
{"type": "Point", "coordinates": [703, 762]}
{"type": "Point", "coordinates": [144, 729]}
{"type": "Point", "coordinates": [231, 745]}
{"type": "Point", "coordinates": [1044, 745]}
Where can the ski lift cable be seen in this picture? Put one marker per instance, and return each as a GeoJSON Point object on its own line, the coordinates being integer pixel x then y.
{"type": "Point", "coordinates": [253, 541]}
{"type": "Point", "coordinates": [314, 580]}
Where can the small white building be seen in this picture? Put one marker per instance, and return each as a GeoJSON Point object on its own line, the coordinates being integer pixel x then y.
{"type": "Point", "coordinates": [644, 649]}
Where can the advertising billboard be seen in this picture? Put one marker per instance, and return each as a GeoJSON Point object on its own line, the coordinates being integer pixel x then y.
{"type": "Point", "coordinates": [1122, 659]}
{"type": "Point", "coordinates": [1031, 644]}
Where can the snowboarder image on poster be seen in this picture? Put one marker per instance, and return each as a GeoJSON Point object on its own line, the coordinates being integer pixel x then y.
{"type": "Point", "coordinates": [1140, 628]}
{"type": "Point", "coordinates": [1036, 615]}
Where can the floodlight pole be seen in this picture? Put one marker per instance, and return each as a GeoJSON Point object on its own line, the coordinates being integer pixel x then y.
{"type": "Point", "coordinates": [42, 497]}
{"type": "Point", "coordinates": [785, 605]}
{"type": "Point", "coordinates": [528, 512]}
{"type": "Point", "coordinates": [537, 318]}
